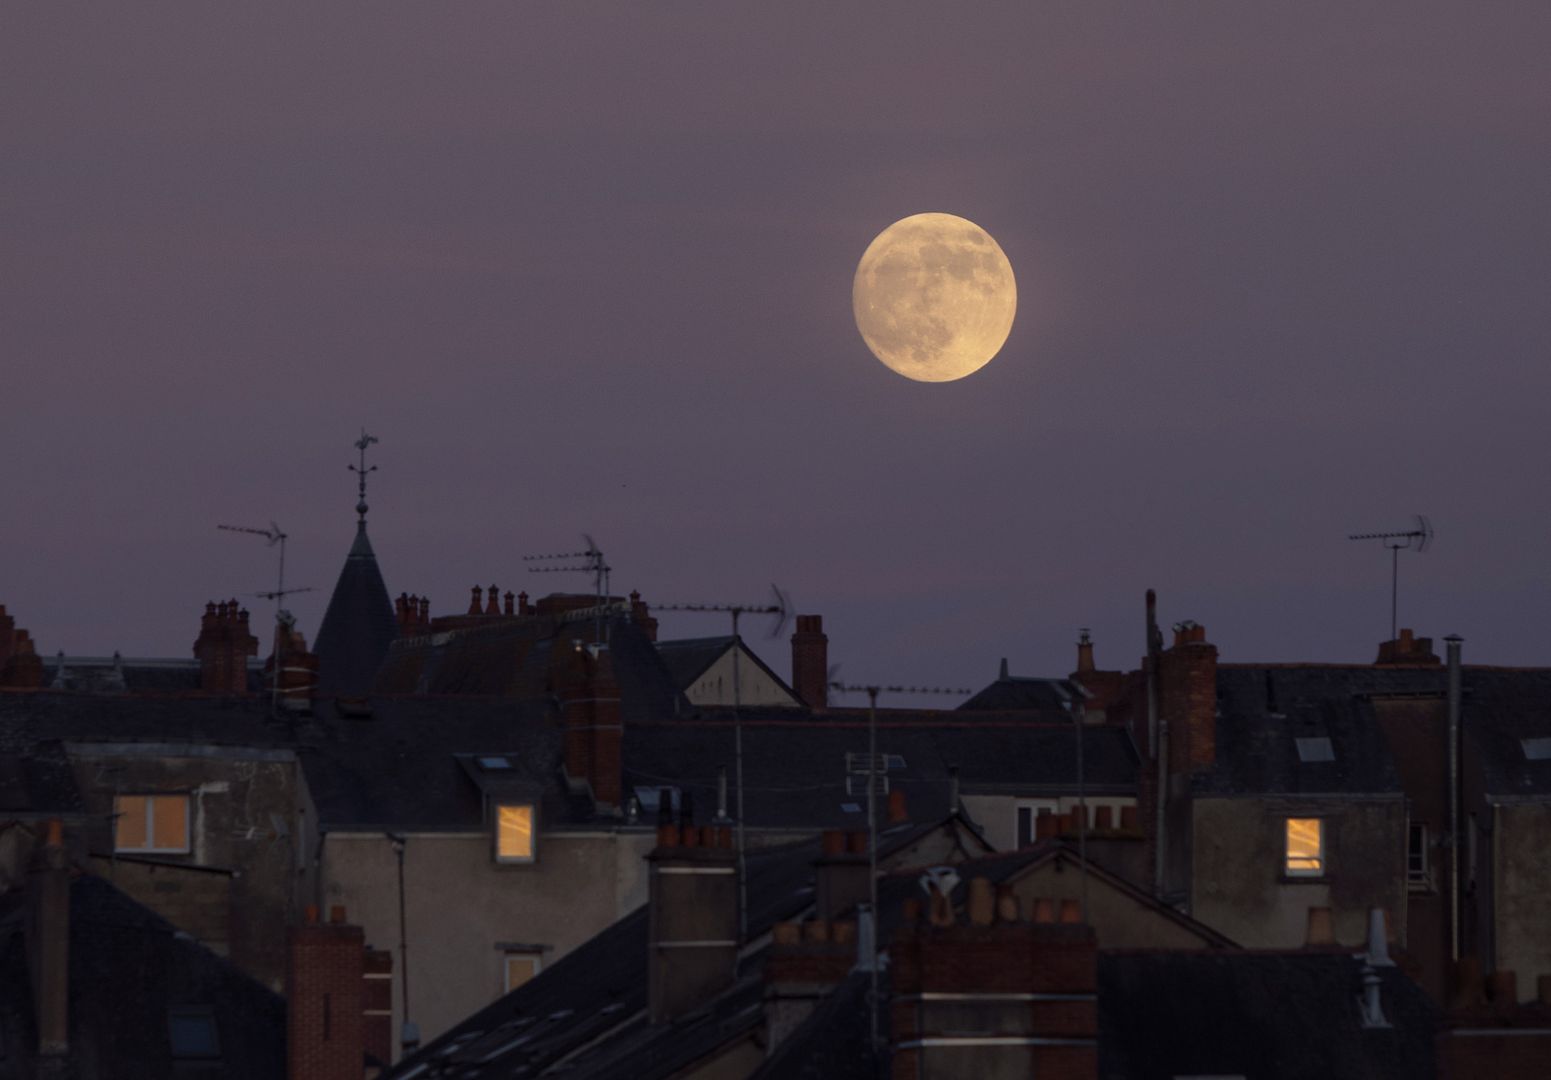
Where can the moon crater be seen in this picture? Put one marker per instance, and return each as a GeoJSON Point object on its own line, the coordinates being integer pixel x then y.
{"type": "Point", "coordinates": [934, 297]}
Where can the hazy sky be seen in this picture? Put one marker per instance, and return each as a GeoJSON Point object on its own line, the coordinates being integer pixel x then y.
{"type": "Point", "coordinates": [1284, 274]}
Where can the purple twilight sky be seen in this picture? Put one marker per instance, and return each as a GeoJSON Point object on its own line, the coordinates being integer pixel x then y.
{"type": "Point", "coordinates": [1284, 274]}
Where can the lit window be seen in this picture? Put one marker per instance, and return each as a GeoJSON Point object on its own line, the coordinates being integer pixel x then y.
{"type": "Point", "coordinates": [151, 823]}
{"type": "Point", "coordinates": [514, 833]}
{"type": "Point", "coordinates": [1305, 847]}
{"type": "Point", "coordinates": [520, 967]}
{"type": "Point", "coordinates": [1416, 853]}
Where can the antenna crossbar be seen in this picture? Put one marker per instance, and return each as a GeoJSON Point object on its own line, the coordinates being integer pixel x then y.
{"type": "Point", "coordinates": [1414, 539]}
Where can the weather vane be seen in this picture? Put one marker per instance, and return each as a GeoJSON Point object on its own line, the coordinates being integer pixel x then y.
{"type": "Point", "coordinates": [361, 444]}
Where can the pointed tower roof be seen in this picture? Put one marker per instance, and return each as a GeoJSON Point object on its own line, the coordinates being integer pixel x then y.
{"type": "Point", "coordinates": [359, 624]}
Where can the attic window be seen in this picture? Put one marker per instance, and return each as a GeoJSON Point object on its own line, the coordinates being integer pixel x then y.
{"type": "Point", "coordinates": [514, 833]}
{"type": "Point", "coordinates": [494, 764]}
{"type": "Point", "coordinates": [850, 808]}
{"type": "Point", "coordinates": [1315, 749]}
{"type": "Point", "coordinates": [650, 799]}
{"type": "Point", "coordinates": [894, 761]}
{"type": "Point", "coordinates": [191, 1033]}
{"type": "Point", "coordinates": [151, 823]}
{"type": "Point", "coordinates": [1305, 847]}
{"type": "Point", "coordinates": [1537, 749]}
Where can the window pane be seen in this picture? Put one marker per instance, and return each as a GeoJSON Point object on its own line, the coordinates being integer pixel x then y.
{"type": "Point", "coordinates": [514, 832]}
{"type": "Point", "coordinates": [192, 1034]}
{"type": "Point", "coordinates": [520, 967]}
{"type": "Point", "coordinates": [130, 829]}
{"type": "Point", "coordinates": [1304, 850]}
{"type": "Point", "coordinates": [169, 822]}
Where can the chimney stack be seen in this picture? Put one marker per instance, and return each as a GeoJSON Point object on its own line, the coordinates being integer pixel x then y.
{"type": "Point", "coordinates": [326, 999]}
{"type": "Point", "coordinates": [1084, 652]}
{"type": "Point", "coordinates": [589, 710]}
{"type": "Point", "coordinates": [1187, 693]}
{"type": "Point", "coordinates": [23, 670]}
{"type": "Point", "coordinates": [951, 976]}
{"type": "Point", "coordinates": [641, 615]}
{"type": "Point", "coordinates": [48, 945]}
{"type": "Point", "coordinates": [298, 672]}
{"type": "Point", "coordinates": [692, 916]}
{"type": "Point", "coordinates": [223, 648]}
{"type": "Point", "coordinates": [810, 662]}
{"type": "Point", "coordinates": [1407, 649]}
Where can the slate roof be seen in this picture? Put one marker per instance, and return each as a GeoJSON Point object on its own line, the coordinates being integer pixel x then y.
{"type": "Point", "coordinates": [510, 657]}
{"type": "Point", "coordinates": [1289, 1015]}
{"type": "Point", "coordinates": [1017, 692]}
{"type": "Point", "coordinates": [128, 967]}
{"type": "Point", "coordinates": [795, 768]}
{"type": "Point", "coordinates": [132, 675]}
{"type": "Point", "coordinates": [589, 1007]}
{"type": "Point", "coordinates": [358, 625]}
{"type": "Point", "coordinates": [1264, 708]}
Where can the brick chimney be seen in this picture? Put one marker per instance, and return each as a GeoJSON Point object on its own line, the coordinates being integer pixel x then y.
{"type": "Point", "coordinates": [810, 661]}
{"type": "Point", "coordinates": [223, 648]}
{"type": "Point", "coordinates": [48, 945]}
{"type": "Point", "coordinates": [23, 669]}
{"type": "Point", "coordinates": [298, 672]}
{"type": "Point", "coordinates": [1187, 698]}
{"type": "Point", "coordinates": [1015, 998]}
{"type": "Point", "coordinates": [806, 961]}
{"type": "Point", "coordinates": [589, 711]}
{"type": "Point", "coordinates": [7, 636]}
{"type": "Point", "coordinates": [692, 938]}
{"type": "Point", "coordinates": [325, 999]}
{"type": "Point", "coordinates": [1407, 649]}
{"type": "Point", "coordinates": [641, 615]}
{"type": "Point", "coordinates": [1084, 653]}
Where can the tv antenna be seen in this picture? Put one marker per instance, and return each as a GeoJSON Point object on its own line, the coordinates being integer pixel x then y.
{"type": "Point", "coordinates": [283, 619]}
{"type": "Point", "coordinates": [873, 761]}
{"type": "Point", "coordinates": [1414, 539]}
{"type": "Point", "coordinates": [779, 606]}
{"type": "Point", "coordinates": [595, 564]}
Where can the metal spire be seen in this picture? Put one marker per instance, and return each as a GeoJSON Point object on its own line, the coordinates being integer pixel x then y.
{"type": "Point", "coordinates": [361, 444]}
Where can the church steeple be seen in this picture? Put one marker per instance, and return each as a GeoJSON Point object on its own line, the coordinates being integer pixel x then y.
{"type": "Point", "coordinates": [358, 626]}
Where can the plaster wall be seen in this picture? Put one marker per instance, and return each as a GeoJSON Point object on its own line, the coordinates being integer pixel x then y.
{"type": "Point", "coordinates": [463, 909]}
{"type": "Point", "coordinates": [1522, 882]}
{"type": "Point", "coordinates": [1120, 921]}
{"type": "Point", "coordinates": [1238, 885]}
{"type": "Point", "coordinates": [242, 816]}
{"type": "Point", "coordinates": [755, 686]}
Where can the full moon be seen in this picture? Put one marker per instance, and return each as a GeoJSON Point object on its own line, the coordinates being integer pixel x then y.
{"type": "Point", "coordinates": [934, 297]}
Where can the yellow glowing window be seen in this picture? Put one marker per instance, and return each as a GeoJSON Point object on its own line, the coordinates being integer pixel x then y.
{"type": "Point", "coordinates": [514, 833]}
{"type": "Point", "coordinates": [151, 823]}
{"type": "Point", "coordinates": [520, 967]}
{"type": "Point", "coordinates": [1305, 847]}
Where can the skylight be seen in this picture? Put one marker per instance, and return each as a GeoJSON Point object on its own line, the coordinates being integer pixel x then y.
{"type": "Point", "coordinates": [494, 763]}
{"type": "Point", "coordinates": [1536, 749]}
{"type": "Point", "coordinates": [650, 798]}
{"type": "Point", "coordinates": [1315, 748]}
{"type": "Point", "coordinates": [850, 808]}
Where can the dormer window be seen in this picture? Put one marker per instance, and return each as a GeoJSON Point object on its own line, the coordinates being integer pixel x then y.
{"type": "Point", "coordinates": [1305, 847]}
{"type": "Point", "coordinates": [514, 832]}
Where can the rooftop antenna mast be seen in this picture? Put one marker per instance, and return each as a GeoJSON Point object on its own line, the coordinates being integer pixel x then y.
{"type": "Point", "coordinates": [779, 606]}
{"type": "Point", "coordinates": [873, 761]}
{"type": "Point", "coordinates": [1415, 539]}
{"type": "Point", "coordinates": [596, 565]}
{"type": "Point", "coordinates": [283, 618]}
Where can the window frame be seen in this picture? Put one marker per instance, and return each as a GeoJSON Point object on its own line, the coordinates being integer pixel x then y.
{"type": "Point", "coordinates": [532, 806]}
{"type": "Point", "coordinates": [536, 956]}
{"type": "Point", "coordinates": [1304, 874]}
{"type": "Point", "coordinates": [1418, 878]}
{"type": "Point", "coordinates": [204, 1014]}
{"type": "Point", "coordinates": [150, 798]}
